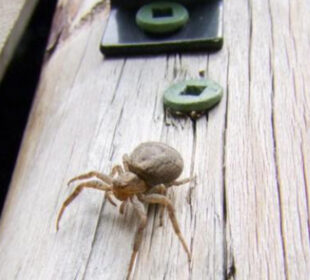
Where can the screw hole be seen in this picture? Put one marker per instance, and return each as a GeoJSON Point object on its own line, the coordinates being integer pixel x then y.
{"type": "Point", "coordinates": [193, 90]}
{"type": "Point", "coordinates": [162, 12]}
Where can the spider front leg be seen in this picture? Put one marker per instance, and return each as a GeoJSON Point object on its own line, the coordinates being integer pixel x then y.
{"type": "Point", "coordinates": [163, 200]}
{"type": "Point", "coordinates": [126, 161]}
{"type": "Point", "coordinates": [91, 184]}
{"type": "Point", "coordinates": [117, 169]}
{"type": "Point", "coordinates": [140, 209]}
{"type": "Point", "coordinates": [104, 178]}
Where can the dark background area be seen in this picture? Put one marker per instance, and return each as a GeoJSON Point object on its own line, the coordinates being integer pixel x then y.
{"type": "Point", "coordinates": [18, 87]}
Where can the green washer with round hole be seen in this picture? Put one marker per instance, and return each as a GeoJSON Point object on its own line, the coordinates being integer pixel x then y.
{"type": "Point", "coordinates": [192, 97]}
{"type": "Point", "coordinates": [162, 17]}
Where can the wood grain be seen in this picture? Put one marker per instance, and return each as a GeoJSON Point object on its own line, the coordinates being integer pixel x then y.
{"type": "Point", "coordinates": [246, 217]}
{"type": "Point", "coordinates": [14, 16]}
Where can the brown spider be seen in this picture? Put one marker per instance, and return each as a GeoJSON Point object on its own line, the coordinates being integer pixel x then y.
{"type": "Point", "coordinates": [148, 172]}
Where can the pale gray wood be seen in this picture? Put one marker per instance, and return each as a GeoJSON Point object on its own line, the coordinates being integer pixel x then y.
{"type": "Point", "coordinates": [291, 121]}
{"type": "Point", "coordinates": [14, 16]}
{"type": "Point", "coordinates": [254, 234]}
{"type": "Point", "coordinates": [245, 217]}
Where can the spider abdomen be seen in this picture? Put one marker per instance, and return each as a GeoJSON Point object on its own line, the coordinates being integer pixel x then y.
{"type": "Point", "coordinates": [156, 163]}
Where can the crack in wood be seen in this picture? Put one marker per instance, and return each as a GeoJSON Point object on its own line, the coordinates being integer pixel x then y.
{"type": "Point", "coordinates": [66, 22]}
{"type": "Point", "coordinates": [306, 187]}
{"type": "Point", "coordinates": [226, 249]}
{"type": "Point", "coordinates": [112, 150]}
{"type": "Point", "coordinates": [275, 156]}
{"type": "Point", "coordinates": [278, 180]}
{"type": "Point", "coordinates": [231, 270]}
{"type": "Point", "coordinates": [118, 82]}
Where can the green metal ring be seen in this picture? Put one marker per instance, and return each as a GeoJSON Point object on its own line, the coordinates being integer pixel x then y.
{"type": "Point", "coordinates": [193, 95]}
{"type": "Point", "coordinates": [162, 17]}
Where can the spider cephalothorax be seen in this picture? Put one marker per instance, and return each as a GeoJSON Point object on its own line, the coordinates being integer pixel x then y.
{"type": "Point", "coordinates": [144, 178]}
{"type": "Point", "coordinates": [128, 184]}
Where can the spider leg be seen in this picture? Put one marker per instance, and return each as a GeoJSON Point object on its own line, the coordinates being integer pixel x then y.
{"type": "Point", "coordinates": [92, 184]}
{"type": "Point", "coordinates": [160, 189]}
{"type": "Point", "coordinates": [162, 200]}
{"type": "Point", "coordinates": [105, 178]}
{"type": "Point", "coordinates": [117, 169]}
{"type": "Point", "coordinates": [180, 182]}
{"type": "Point", "coordinates": [122, 208]}
{"type": "Point", "coordinates": [163, 191]}
{"type": "Point", "coordinates": [139, 208]}
{"type": "Point", "coordinates": [126, 162]}
{"type": "Point", "coordinates": [107, 195]}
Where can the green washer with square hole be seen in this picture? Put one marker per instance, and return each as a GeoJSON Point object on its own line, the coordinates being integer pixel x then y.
{"type": "Point", "coordinates": [192, 97]}
{"type": "Point", "coordinates": [161, 17]}
{"type": "Point", "coordinates": [150, 26]}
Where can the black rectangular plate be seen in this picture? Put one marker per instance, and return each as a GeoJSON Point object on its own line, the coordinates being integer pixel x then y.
{"type": "Point", "coordinates": [203, 32]}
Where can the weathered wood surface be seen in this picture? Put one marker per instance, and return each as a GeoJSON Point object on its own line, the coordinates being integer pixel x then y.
{"type": "Point", "coordinates": [247, 216]}
{"type": "Point", "coordinates": [14, 16]}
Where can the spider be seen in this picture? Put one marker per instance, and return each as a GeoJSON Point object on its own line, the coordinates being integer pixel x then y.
{"type": "Point", "coordinates": [146, 175]}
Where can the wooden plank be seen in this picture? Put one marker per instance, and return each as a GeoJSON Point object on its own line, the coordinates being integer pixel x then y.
{"type": "Point", "coordinates": [254, 233]}
{"type": "Point", "coordinates": [14, 16]}
{"type": "Point", "coordinates": [291, 120]}
{"type": "Point", "coordinates": [247, 215]}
